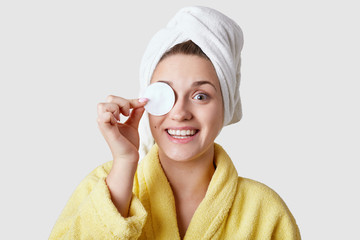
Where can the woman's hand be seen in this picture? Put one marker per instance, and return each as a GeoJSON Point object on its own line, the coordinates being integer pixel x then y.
{"type": "Point", "coordinates": [122, 138]}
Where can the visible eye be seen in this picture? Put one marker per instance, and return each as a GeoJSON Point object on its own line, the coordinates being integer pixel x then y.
{"type": "Point", "coordinates": [201, 96]}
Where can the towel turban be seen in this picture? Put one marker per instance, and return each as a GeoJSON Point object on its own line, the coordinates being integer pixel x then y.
{"type": "Point", "coordinates": [219, 37]}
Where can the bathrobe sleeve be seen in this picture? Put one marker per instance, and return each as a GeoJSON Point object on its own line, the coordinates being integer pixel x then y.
{"type": "Point", "coordinates": [286, 228]}
{"type": "Point", "coordinates": [258, 212]}
{"type": "Point", "coordinates": [90, 213]}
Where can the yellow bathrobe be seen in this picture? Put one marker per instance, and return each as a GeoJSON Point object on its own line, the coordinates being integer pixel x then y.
{"type": "Point", "coordinates": [233, 208]}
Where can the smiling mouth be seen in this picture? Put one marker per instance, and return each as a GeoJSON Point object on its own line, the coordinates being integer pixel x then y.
{"type": "Point", "coordinates": [181, 134]}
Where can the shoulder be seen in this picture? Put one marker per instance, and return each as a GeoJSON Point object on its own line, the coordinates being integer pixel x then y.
{"type": "Point", "coordinates": [259, 211]}
{"type": "Point", "coordinates": [101, 171]}
{"type": "Point", "coordinates": [96, 175]}
{"type": "Point", "coordinates": [255, 188]}
{"type": "Point", "coordinates": [258, 194]}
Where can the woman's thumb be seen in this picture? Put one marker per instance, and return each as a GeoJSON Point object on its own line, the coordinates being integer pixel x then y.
{"type": "Point", "coordinates": [135, 117]}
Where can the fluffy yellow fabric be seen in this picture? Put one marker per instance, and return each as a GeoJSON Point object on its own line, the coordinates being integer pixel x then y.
{"type": "Point", "coordinates": [233, 208]}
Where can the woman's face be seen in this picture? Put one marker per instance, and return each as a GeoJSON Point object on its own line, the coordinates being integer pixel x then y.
{"type": "Point", "coordinates": [188, 131]}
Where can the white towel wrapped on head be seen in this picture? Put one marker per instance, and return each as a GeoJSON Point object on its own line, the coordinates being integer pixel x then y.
{"type": "Point", "coordinates": [219, 37]}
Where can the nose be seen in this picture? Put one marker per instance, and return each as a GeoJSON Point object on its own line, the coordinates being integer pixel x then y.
{"type": "Point", "coordinates": [181, 110]}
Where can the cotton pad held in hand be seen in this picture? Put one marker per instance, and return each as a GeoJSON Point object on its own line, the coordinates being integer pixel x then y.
{"type": "Point", "coordinates": [161, 98]}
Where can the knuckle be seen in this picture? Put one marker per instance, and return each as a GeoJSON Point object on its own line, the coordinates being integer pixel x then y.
{"type": "Point", "coordinates": [110, 98]}
{"type": "Point", "coordinates": [106, 115]}
{"type": "Point", "coordinates": [100, 106]}
{"type": "Point", "coordinates": [103, 116]}
{"type": "Point", "coordinates": [127, 105]}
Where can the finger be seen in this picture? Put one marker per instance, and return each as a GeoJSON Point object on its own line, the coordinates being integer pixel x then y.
{"type": "Point", "coordinates": [115, 109]}
{"type": "Point", "coordinates": [110, 107]}
{"type": "Point", "coordinates": [135, 117]}
{"type": "Point", "coordinates": [109, 129]}
{"type": "Point", "coordinates": [107, 119]}
{"type": "Point", "coordinates": [134, 103]}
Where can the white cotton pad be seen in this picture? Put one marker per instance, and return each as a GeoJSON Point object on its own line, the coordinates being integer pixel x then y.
{"type": "Point", "coordinates": [161, 98]}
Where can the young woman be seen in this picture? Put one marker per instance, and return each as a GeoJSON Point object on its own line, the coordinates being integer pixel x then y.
{"type": "Point", "coordinates": [186, 187]}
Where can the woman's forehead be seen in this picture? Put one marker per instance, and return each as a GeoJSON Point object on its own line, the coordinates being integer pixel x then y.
{"type": "Point", "coordinates": [190, 70]}
{"type": "Point", "coordinates": [194, 84]}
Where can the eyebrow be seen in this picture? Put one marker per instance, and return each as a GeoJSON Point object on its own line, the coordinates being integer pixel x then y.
{"type": "Point", "coordinates": [195, 84]}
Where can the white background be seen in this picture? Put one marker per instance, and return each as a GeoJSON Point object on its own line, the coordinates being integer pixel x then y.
{"type": "Point", "coordinates": [300, 83]}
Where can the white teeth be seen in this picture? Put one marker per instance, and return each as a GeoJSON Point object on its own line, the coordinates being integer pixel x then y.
{"type": "Point", "coordinates": [180, 137]}
{"type": "Point", "coordinates": [181, 133]}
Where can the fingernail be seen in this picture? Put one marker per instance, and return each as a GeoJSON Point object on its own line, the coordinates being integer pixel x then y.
{"type": "Point", "coordinates": [143, 100]}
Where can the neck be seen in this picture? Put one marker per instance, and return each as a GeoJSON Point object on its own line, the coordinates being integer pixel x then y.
{"type": "Point", "coordinates": [189, 179]}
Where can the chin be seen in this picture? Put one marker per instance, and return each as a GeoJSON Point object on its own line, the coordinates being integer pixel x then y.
{"type": "Point", "coordinates": [183, 153]}
{"type": "Point", "coordinates": [181, 157]}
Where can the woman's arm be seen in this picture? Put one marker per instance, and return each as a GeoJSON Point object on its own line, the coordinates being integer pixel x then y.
{"type": "Point", "coordinates": [91, 214]}
{"type": "Point", "coordinates": [120, 184]}
{"type": "Point", "coordinates": [123, 141]}
{"type": "Point", "coordinates": [286, 228]}
{"type": "Point", "coordinates": [99, 207]}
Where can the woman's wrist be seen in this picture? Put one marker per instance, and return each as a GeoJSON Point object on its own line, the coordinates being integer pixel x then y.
{"type": "Point", "coordinates": [120, 184]}
{"type": "Point", "coordinates": [122, 173]}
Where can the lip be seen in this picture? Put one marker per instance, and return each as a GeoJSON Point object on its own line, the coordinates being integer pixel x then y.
{"type": "Point", "coordinates": [181, 128]}
{"type": "Point", "coordinates": [184, 140]}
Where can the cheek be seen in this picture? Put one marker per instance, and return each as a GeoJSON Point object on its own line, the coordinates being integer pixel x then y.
{"type": "Point", "coordinates": [212, 115]}
{"type": "Point", "coordinates": [218, 111]}
{"type": "Point", "coordinates": [219, 117]}
{"type": "Point", "coordinates": [154, 123]}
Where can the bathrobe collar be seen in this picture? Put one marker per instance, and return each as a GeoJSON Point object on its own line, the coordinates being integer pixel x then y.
{"type": "Point", "coordinates": [211, 212]}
